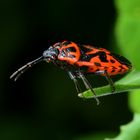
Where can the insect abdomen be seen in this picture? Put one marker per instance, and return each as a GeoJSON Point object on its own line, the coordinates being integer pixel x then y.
{"type": "Point", "coordinates": [114, 64]}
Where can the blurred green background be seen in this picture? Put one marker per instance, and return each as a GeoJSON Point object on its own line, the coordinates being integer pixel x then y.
{"type": "Point", "coordinates": [43, 103]}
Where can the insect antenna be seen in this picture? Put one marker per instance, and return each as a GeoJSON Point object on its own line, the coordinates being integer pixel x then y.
{"type": "Point", "coordinates": [24, 68]}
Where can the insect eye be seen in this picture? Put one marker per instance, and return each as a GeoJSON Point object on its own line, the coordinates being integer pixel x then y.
{"type": "Point", "coordinates": [51, 53]}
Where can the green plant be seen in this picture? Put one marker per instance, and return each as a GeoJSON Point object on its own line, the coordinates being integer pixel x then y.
{"type": "Point", "coordinates": [127, 32]}
{"type": "Point", "coordinates": [128, 83]}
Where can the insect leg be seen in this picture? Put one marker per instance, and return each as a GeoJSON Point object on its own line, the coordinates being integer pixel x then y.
{"type": "Point", "coordinates": [104, 72]}
{"type": "Point", "coordinates": [21, 70]}
{"type": "Point", "coordinates": [110, 81]}
{"type": "Point", "coordinates": [88, 86]}
{"type": "Point", "coordinates": [73, 77]}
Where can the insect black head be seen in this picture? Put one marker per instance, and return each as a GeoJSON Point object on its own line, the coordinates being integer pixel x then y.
{"type": "Point", "coordinates": [50, 54]}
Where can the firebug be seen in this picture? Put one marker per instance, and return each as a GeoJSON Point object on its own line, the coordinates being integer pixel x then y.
{"type": "Point", "coordinates": [79, 60]}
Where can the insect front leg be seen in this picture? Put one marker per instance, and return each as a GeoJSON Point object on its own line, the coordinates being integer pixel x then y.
{"type": "Point", "coordinates": [87, 85]}
{"type": "Point", "coordinates": [73, 77]}
{"type": "Point", "coordinates": [104, 72]}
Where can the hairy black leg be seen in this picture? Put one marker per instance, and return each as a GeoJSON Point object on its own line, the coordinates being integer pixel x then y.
{"type": "Point", "coordinates": [87, 85]}
{"type": "Point", "coordinates": [73, 77]}
{"type": "Point", "coordinates": [108, 79]}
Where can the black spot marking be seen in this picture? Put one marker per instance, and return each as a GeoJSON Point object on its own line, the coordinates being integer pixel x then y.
{"type": "Point", "coordinates": [97, 64]}
{"type": "Point", "coordinates": [71, 49]}
{"type": "Point", "coordinates": [120, 70]}
{"type": "Point", "coordinates": [84, 49]}
{"type": "Point", "coordinates": [112, 61]}
{"type": "Point", "coordinates": [113, 70]}
{"type": "Point", "coordinates": [113, 67]}
{"type": "Point", "coordinates": [122, 60]}
{"type": "Point", "coordinates": [94, 55]}
{"type": "Point", "coordinates": [103, 57]}
{"type": "Point", "coordinates": [121, 67]}
{"type": "Point", "coordinates": [97, 70]}
{"type": "Point", "coordinates": [105, 67]}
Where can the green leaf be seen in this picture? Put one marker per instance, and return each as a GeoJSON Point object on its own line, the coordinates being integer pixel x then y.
{"type": "Point", "coordinates": [130, 131]}
{"type": "Point", "coordinates": [134, 101]}
{"type": "Point", "coordinates": [127, 33]}
{"type": "Point", "coordinates": [128, 83]}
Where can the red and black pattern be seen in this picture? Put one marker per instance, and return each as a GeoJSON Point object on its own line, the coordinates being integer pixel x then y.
{"type": "Point", "coordinates": [95, 59]}
{"type": "Point", "coordinates": [79, 60]}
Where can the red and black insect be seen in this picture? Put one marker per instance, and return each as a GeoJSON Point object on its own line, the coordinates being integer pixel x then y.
{"type": "Point", "coordinates": [79, 60]}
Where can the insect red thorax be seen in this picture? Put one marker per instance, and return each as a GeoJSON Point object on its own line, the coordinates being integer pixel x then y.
{"type": "Point", "coordinates": [79, 59]}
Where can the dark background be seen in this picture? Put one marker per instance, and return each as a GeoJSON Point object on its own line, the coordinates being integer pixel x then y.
{"type": "Point", "coordinates": [43, 103]}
